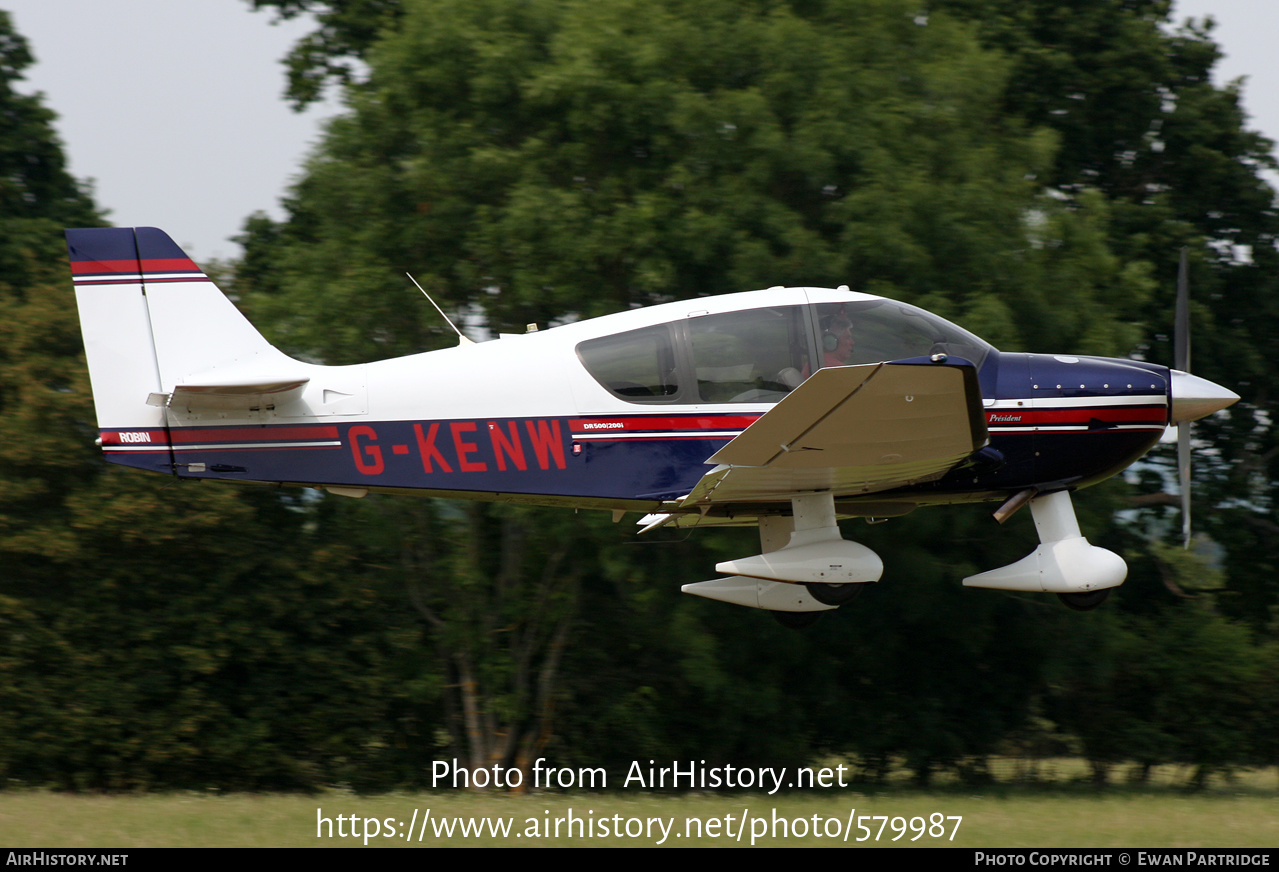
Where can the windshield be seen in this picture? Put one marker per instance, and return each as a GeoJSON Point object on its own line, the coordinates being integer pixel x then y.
{"type": "Point", "coordinates": [872, 331]}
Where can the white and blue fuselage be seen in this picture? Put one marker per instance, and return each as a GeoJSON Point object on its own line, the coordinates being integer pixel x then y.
{"type": "Point", "coordinates": [623, 412]}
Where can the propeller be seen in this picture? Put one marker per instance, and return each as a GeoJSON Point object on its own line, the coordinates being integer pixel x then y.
{"type": "Point", "coordinates": [1181, 361]}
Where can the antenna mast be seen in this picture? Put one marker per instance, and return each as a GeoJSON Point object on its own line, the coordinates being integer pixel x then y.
{"type": "Point", "coordinates": [461, 339]}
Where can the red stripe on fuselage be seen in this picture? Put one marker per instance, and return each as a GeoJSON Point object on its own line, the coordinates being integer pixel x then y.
{"type": "Point", "coordinates": [640, 423]}
{"type": "Point", "coordinates": [249, 434]}
{"type": "Point", "coordinates": [193, 435]}
{"type": "Point", "coordinates": [1155, 415]}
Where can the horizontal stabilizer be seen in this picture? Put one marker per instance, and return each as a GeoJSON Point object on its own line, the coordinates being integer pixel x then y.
{"type": "Point", "coordinates": [241, 388]}
{"type": "Point", "coordinates": [235, 393]}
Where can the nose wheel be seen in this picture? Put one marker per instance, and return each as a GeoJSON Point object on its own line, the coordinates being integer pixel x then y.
{"type": "Point", "coordinates": [835, 594]}
{"type": "Point", "coordinates": [1085, 602]}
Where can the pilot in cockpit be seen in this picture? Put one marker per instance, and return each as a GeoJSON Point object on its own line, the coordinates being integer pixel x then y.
{"type": "Point", "coordinates": [837, 339]}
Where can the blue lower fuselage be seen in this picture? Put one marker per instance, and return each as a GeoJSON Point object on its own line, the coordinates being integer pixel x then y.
{"type": "Point", "coordinates": [1054, 422]}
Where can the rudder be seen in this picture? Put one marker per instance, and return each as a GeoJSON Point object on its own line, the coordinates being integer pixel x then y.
{"type": "Point", "coordinates": [153, 322]}
{"type": "Point", "coordinates": [118, 345]}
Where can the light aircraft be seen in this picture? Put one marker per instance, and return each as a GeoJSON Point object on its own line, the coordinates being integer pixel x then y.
{"type": "Point", "coordinates": [786, 408]}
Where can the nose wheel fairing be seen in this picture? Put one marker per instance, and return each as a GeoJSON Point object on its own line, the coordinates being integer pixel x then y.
{"type": "Point", "coordinates": [1063, 563]}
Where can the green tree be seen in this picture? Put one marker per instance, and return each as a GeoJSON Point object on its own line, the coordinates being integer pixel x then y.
{"type": "Point", "coordinates": [1131, 99]}
{"type": "Point", "coordinates": [1023, 168]}
{"type": "Point", "coordinates": [679, 163]}
{"type": "Point", "coordinates": [154, 635]}
{"type": "Point", "coordinates": [329, 55]}
{"type": "Point", "coordinates": [544, 160]}
{"type": "Point", "coordinates": [1176, 687]}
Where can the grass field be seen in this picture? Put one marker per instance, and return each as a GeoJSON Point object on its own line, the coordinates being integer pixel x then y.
{"type": "Point", "coordinates": [1242, 812]}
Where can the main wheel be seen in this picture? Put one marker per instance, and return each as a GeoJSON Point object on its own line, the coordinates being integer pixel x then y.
{"type": "Point", "coordinates": [834, 594]}
{"type": "Point", "coordinates": [1084, 602]}
{"type": "Point", "coordinates": [795, 620]}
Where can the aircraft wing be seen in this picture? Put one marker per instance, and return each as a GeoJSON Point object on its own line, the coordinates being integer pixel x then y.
{"type": "Point", "coordinates": [853, 430]}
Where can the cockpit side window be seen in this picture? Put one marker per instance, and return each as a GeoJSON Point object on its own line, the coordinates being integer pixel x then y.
{"type": "Point", "coordinates": [751, 356]}
{"type": "Point", "coordinates": [639, 365]}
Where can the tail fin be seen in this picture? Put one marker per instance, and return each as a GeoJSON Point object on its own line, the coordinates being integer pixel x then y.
{"type": "Point", "coordinates": [158, 333]}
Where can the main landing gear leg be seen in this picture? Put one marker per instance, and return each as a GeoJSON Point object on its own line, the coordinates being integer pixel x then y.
{"type": "Point", "coordinates": [804, 566]}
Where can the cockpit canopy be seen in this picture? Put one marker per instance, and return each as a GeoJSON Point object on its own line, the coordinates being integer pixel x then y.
{"type": "Point", "coordinates": [759, 355]}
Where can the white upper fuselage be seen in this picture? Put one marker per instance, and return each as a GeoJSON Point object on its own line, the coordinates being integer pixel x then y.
{"type": "Point", "coordinates": [539, 374]}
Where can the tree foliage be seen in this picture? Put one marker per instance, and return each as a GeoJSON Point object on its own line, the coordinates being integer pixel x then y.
{"type": "Point", "coordinates": [1026, 169]}
{"type": "Point", "coordinates": [1139, 120]}
{"type": "Point", "coordinates": [154, 635]}
{"type": "Point", "coordinates": [329, 55]}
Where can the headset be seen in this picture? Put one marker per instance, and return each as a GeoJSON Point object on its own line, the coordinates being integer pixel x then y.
{"type": "Point", "coordinates": [832, 326]}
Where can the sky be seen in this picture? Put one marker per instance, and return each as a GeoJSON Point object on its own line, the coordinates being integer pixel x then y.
{"type": "Point", "coordinates": [175, 110]}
